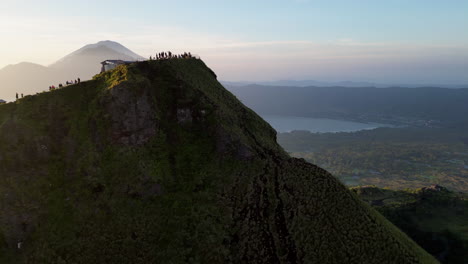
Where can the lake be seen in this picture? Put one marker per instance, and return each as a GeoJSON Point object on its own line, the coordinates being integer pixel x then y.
{"type": "Point", "coordinates": [317, 125]}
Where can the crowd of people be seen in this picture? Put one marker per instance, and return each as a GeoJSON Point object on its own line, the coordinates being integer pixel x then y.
{"type": "Point", "coordinates": [53, 87]}
{"type": "Point", "coordinates": [169, 55]}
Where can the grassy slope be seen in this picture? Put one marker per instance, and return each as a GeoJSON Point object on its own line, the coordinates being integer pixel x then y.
{"type": "Point", "coordinates": [438, 221]}
{"type": "Point", "coordinates": [85, 179]}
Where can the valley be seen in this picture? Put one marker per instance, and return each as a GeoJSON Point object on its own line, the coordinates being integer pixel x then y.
{"type": "Point", "coordinates": [395, 158]}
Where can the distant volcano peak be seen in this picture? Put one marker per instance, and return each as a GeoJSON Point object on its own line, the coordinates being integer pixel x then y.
{"type": "Point", "coordinates": [116, 47]}
{"type": "Point", "coordinates": [83, 63]}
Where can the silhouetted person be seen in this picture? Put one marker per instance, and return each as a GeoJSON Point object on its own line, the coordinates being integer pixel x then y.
{"type": "Point", "coordinates": [79, 80]}
{"type": "Point", "coordinates": [16, 96]}
{"type": "Point", "coordinates": [22, 96]}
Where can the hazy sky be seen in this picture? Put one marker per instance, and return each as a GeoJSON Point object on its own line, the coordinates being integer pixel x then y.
{"type": "Point", "coordinates": [397, 41]}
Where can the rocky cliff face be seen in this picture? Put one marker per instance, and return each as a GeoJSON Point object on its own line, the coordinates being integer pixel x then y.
{"type": "Point", "coordinates": [157, 163]}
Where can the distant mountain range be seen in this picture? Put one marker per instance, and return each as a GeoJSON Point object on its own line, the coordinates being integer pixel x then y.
{"type": "Point", "coordinates": [84, 63]}
{"type": "Point", "coordinates": [400, 106]}
{"type": "Point", "coordinates": [305, 83]}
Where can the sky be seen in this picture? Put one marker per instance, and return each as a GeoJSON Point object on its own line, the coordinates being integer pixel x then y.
{"type": "Point", "coordinates": [387, 41]}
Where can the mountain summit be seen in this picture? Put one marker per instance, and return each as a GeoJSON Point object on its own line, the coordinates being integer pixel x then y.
{"type": "Point", "coordinates": [156, 162]}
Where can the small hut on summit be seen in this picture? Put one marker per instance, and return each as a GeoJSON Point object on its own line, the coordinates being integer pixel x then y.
{"type": "Point", "coordinates": [111, 64]}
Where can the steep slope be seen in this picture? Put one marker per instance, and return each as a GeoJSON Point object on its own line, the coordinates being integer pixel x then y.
{"type": "Point", "coordinates": [157, 163]}
{"type": "Point", "coordinates": [434, 217]}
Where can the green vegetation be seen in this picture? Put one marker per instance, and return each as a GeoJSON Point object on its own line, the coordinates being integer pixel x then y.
{"type": "Point", "coordinates": [396, 158]}
{"type": "Point", "coordinates": [434, 217]}
{"type": "Point", "coordinates": [157, 163]}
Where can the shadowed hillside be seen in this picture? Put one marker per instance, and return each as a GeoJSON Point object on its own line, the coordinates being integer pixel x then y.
{"type": "Point", "coordinates": [157, 162]}
{"type": "Point", "coordinates": [436, 218]}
